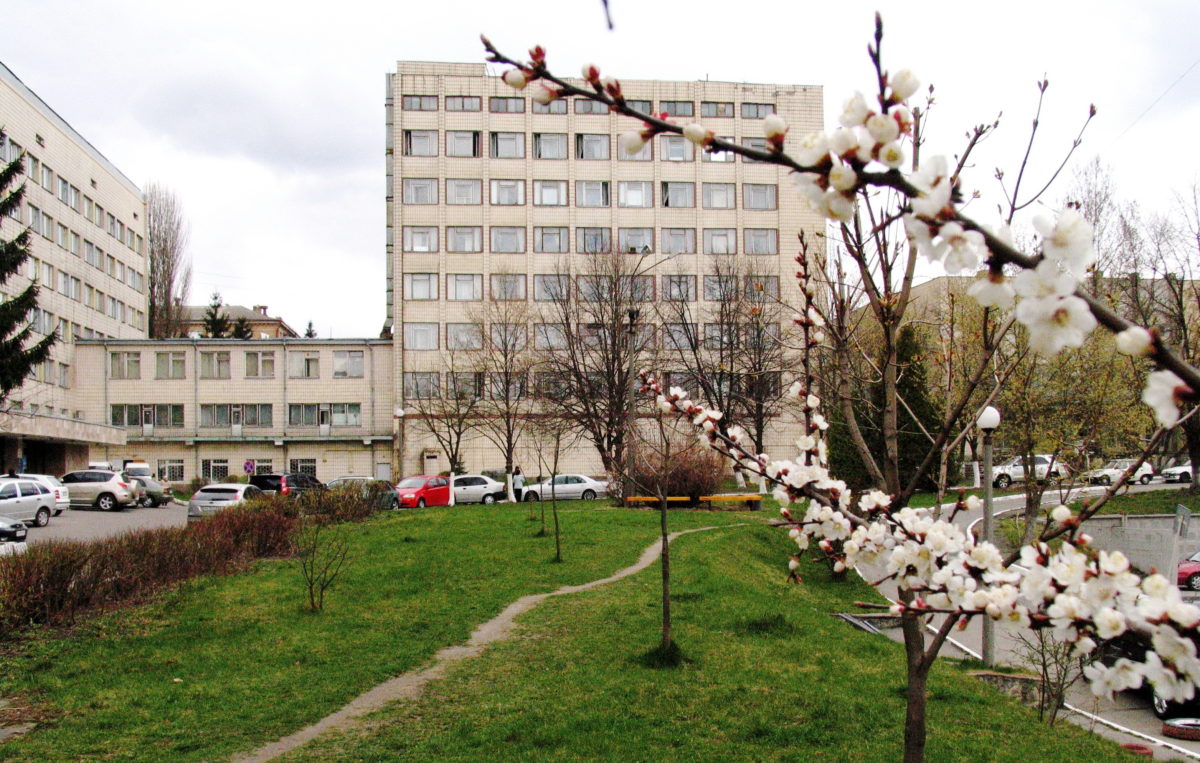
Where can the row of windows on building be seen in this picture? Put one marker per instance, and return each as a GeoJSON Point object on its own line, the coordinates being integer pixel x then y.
{"type": "Point", "coordinates": [225, 415]}
{"type": "Point", "coordinates": [42, 176]}
{"type": "Point", "coordinates": [507, 239]}
{"type": "Point", "coordinates": [42, 409]}
{"type": "Point", "coordinates": [217, 469]}
{"type": "Point", "coordinates": [429, 385]}
{"type": "Point", "coordinates": [93, 255]}
{"type": "Point", "coordinates": [514, 337]}
{"type": "Point", "coordinates": [557, 287]}
{"type": "Point", "coordinates": [216, 364]}
{"type": "Point", "coordinates": [634, 194]}
{"type": "Point", "coordinates": [469, 144]}
{"type": "Point", "coordinates": [70, 286]}
{"type": "Point", "coordinates": [516, 105]}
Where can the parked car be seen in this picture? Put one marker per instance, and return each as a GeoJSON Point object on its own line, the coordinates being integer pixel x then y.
{"type": "Point", "coordinates": [1178, 473]}
{"type": "Point", "coordinates": [210, 499]}
{"type": "Point", "coordinates": [1112, 471]}
{"type": "Point", "coordinates": [382, 491]}
{"type": "Point", "coordinates": [292, 483]}
{"type": "Point", "coordinates": [1133, 646]}
{"type": "Point", "coordinates": [26, 501]}
{"type": "Point", "coordinates": [1044, 466]}
{"type": "Point", "coordinates": [12, 531]}
{"type": "Point", "coordinates": [1189, 572]}
{"type": "Point", "coordinates": [105, 489]}
{"type": "Point", "coordinates": [423, 490]}
{"type": "Point", "coordinates": [137, 469]}
{"type": "Point", "coordinates": [476, 488]}
{"type": "Point", "coordinates": [62, 493]}
{"type": "Point", "coordinates": [567, 486]}
{"type": "Point", "coordinates": [153, 493]}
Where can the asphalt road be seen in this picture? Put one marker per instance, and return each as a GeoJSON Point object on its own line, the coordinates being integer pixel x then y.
{"type": "Point", "coordinates": [92, 523]}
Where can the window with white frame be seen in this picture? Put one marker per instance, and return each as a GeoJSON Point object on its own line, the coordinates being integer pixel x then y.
{"type": "Point", "coordinates": [169, 365]}
{"type": "Point", "coordinates": [679, 240]}
{"type": "Point", "coordinates": [257, 415]}
{"type": "Point", "coordinates": [506, 105]}
{"type": "Point", "coordinates": [346, 414]}
{"type": "Point", "coordinates": [420, 285]}
{"type": "Point", "coordinates": [762, 241]}
{"type": "Point", "coordinates": [720, 288]}
{"type": "Point", "coordinates": [462, 143]}
{"type": "Point", "coordinates": [643, 154]}
{"type": "Point", "coordinates": [507, 386]}
{"type": "Point", "coordinates": [591, 193]}
{"type": "Point", "coordinates": [549, 193]}
{"type": "Point", "coordinates": [551, 288]}
{"type": "Point", "coordinates": [635, 240]}
{"type": "Point", "coordinates": [642, 107]}
{"type": "Point", "coordinates": [594, 288]}
{"type": "Point", "coordinates": [587, 106]}
{"type": "Point", "coordinates": [214, 365]}
{"type": "Point", "coordinates": [720, 241]}
{"type": "Point", "coordinates": [462, 103]}
{"type": "Point", "coordinates": [678, 194]}
{"type": "Point", "coordinates": [348, 364]}
{"type": "Point", "coordinates": [758, 196]}
{"type": "Point", "coordinates": [509, 336]}
{"type": "Point", "coordinates": [170, 469]}
{"type": "Point", "coordinates": [678, 108]}
{"type": "Point", "coordinates": [464, 336]}
{"type": "Point", "coordinates": [464, 191]}
{"type": "Point", "coordinates": [123, 365]}
{"type": "Point", "coordinates": [423, 238]}
{"type": "Point", "coordinates": [549, 336]}
{"type": "Point", "coordinates": [508, 192]}
{"type": "Point", "coordinates": [260, 364]}
{"type": "Point", "coordinates": [757, 110]}
{"type": "Point", "coordinates": [758, 144]}
{"type": "Point", "coordinates": [420, 142]}
{"type": "Point", "coordinates": [304, 365]}
{"type": "Point", "coordinates": [303, 466]}
{"type": "Point", "coordinates": [675, 148]}
{"type": "Point", "coordinates": [464, 287]}
{"type": "Point", "coordinates": [508, 145]}
{"type": "Point", "coordinates": [762, 288]}
{"type": "Point", "coordinates": [464, 239]}
{"type": "Point", "coordinates": [420, 336]}
{"type": "Point", "coordinates": [420, 190]}
{"type": "Point", "coordinates": [680, 336]}
{"type": "Point", "coordinates": [716, 109]}
{"type": "Point", "coordinates": [720, 196]}
{"type": "Point", "coordinates": [550, 240]}
{"type": "Point", "coordinates": [214, 415]}
{"type": "Point", "coordinates": [464, 385]}
{"type": "Point", "coordinates": [593, 240]}
{"type": "Point", "coordinates": [421, 385]}
{"type": "Point", "coordinates": [214, 469]}
{"type": "Point", "coordinates": [550, 145]}
{"type": "Point", "coordinates": [267, 465]}
{"type": "Point", "coordinates": [591, 146]}
{"type": "Point", "coordinates": [679, 288]}
{"type": "Point", "coordinates": [419, 102]}
{"type": "Point", "coordinates": [508, 240]}
{"type": "Point", "coordinates": [718, 336]}
{"type": "Point", "coordinates": [507, 287]}
{"type": "Point", "coordinates": [302, 414]}
{"type": "Point", "coordinates": [635, 193]}
{"type": "Point", "coordinates": [557, 106]}
{"type": "Point", "coordinates": [640, 288]}
{"type": "Point", "coordinates": [719, 156]}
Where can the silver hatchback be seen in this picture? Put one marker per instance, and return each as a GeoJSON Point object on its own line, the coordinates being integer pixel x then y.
{"type": "Point", "coordinates": [26, 501]}
{"type": "Point", "coordinates": [210, 499]}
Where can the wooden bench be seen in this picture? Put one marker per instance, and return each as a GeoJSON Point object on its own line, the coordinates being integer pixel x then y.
{"type": "Point", "coordinates": [752, 501]}
{"type": "Point", "coordinates": [654, 499]}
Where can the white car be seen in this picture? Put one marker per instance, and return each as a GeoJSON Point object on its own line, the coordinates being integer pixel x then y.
{"type": "Point", "coordinates": [1014, 470]}
{"type": "Point", "coordinates": [1112, 471]}
{"type": "Point", "coordinates": [476, 488]}
{"type": "Point", "coordinates": [26, 501]}
{"type": "Point", "coordinates": [1178, 473]}
{"type": "Point", "coordinates": [210, 499]}
{"type": "Point", "coordinates": [567, 486]}
{"type": "Point", "coordinates": [62, 493]}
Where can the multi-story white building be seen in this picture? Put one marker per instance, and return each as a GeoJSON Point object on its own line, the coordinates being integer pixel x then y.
{"type": "Point", "coordinates": [87, 221]}
{"type": "Point", "coordinates": [492, 196]}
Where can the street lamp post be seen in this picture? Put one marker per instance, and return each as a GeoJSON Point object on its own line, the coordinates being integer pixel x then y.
{"type": "Point", "coordinates": [988, 421]}
{"type": "Point", "coordinates": [398, 444]}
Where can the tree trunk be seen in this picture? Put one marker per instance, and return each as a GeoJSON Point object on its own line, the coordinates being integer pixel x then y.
{"type": "Point", "coordinates": [889, 418]}
{"type": "Point", "coordinates": [557, 536]}
{"type": "Point", "coordinates": [666, 576]}
{"type": "Point", "coordinates": [918, 675]}
{"type": "Point", "coordinates": [1191, 433]}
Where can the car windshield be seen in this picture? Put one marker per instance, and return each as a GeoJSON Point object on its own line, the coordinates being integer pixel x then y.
{"type": "Point", "coordinates": [1119, 464]}
{"type": "Point", "coordinates": [412, 482]}
{"type": "Point", "coordinates": [138, 471]}
{"type": "Point", "coordinates": [1194, 557]}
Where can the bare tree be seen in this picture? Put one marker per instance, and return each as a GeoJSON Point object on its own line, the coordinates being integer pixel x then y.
{"type": "Point", "coordinates": [552, 434]}
{"type": "Point", "coordinates": [170, 268]}
{"type": "Point", "coordinates": [450, 418]}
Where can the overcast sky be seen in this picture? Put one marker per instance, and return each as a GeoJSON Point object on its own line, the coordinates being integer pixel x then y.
{"type": "Point", "coordinates": [266, 117]}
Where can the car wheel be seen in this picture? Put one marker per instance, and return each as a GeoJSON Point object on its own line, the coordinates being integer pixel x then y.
{"type": "Point", "coordinates": [420, 503]}
{"type": "Point", "coordinates": [588, 495]}
{"type": "Point", "coordinates": [1106, 480]}
{"type": "Point", "coordinates": [147, 502]}
{"type": "Point", "coordinates": [43, 517]}
{"type": "Point", "coordinates": [395, 504]}
{"type": "Point", "coordinates": [489, 499]}
{"type": "Point", "coordinates": [1185, 477]}
{"type": "Point", "coordinates": [1193, 581]}
{"type": "Point", "coordinates": [529, 497]}
{"type": "Point", "coordinates": [106, 502]}
{"type": "Point", "coordinates": [1003, 481]}
{"type": "Point", "coordinates": [1182, 728]}
{"type": "Point", "coordinates": [1055, 476]}
{"type": "Point", "coordinates": [1162, 708]}
{"type": "Point", "coordinates": [1145, 480]}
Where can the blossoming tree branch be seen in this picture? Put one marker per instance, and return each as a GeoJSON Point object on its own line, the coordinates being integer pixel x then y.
{"type": "Point", "coordinates": [1083, 595]}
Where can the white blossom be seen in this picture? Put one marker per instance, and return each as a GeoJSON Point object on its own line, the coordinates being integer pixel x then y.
{"type": "Point", "coordinates": [903, 83]}
{"type": "Point", "coordinates": [1068, 240]}
{"type": "Point", "coordinates": [1164, 392]}
{"type": "Point", "coordinates": [959, 249]}
{"type": "Point", "coordinates": [883, 128]}
{"type": "Point", "coordinates": [854, 111]}
{"type": "Point", "coordinates": [1060, 514]}
{"type": "Point", "coordinates": [842, 177]}
{"type": "Point", "coordinates": [811, 149]}
{"type": "Point", "coordinates": [993, 290]}
{"type": "Point", "coordinates": [1135, 341]}
{"type": "Point", "coordinates": [631, 142]}
{"type": "Point", "coordinates": [696, 133]}
{"type": "Point", "coordinates": [774, 128]}
{"type": "Point", "coordinates": [1055, 322]}
{"type": "Point", "coordinates": [933, 181]}
{"type": "Point", "coordinates": [516, 78]}
{"type": "Point", "coordinates": [891, 154]}
{"type": "Point", "coordinates": [542, 93]}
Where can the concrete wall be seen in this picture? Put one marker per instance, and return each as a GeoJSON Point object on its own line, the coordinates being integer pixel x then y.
{"type": "Point", "coordinates": [1147, 540]}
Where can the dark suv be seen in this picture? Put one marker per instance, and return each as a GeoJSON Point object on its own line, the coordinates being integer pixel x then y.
{"type": "Point", "coordinates": [286, 484]}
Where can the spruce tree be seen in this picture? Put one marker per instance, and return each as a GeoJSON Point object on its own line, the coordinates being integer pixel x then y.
{"type": "Point", "coordinates": [310, 332]}
{"type": "Point", "coordinates": [216, 322]}
{"type": "Point", "coordinates": [17, 357]}
{"type": "Point", "coordinates": [241, 329]}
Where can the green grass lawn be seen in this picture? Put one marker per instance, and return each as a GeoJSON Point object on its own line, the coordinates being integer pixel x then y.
{"type": "Point", "coordinates": [1153, 502]}
{"type": "Point", "coordinates": [254, 665]}
{"type": "Point", "coordinates": [770, 675]}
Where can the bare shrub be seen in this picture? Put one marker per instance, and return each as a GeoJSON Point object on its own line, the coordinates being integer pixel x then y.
{"type": "Point", "coordinates": [322, 549]}
{"type": "Point", "coordinates": [690, 469]}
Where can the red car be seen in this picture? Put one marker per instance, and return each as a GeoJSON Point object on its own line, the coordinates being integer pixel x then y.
{"type": "Point", "coordinates": [422, 491]}
{"type": "Point", "coordinates": [1189, 572]}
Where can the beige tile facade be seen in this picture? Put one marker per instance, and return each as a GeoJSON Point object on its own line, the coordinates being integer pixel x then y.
{"type": "Point", "coordinates": [87, 225]}
{"type": "Point", "coordinates": [206, 407]}
{"type": "Point", "coordinates": [425, 120]}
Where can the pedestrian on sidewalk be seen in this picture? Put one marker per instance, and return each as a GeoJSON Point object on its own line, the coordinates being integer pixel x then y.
{"type": "Point", "coordinates": [518, 481]}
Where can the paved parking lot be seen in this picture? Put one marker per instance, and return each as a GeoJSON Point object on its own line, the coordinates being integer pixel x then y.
{"type": "Point", "coordinates": [91, 523]}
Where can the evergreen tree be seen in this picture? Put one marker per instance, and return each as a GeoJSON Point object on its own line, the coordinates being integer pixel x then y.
{"type": "Point", "coordinates": [216, 321]}
{"type": "Point", "coordinates": [17, 360]}
{"type": "Point", "coordinates": [310, 332]}
{"type": "Point", "coordinates": [241, 329]}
